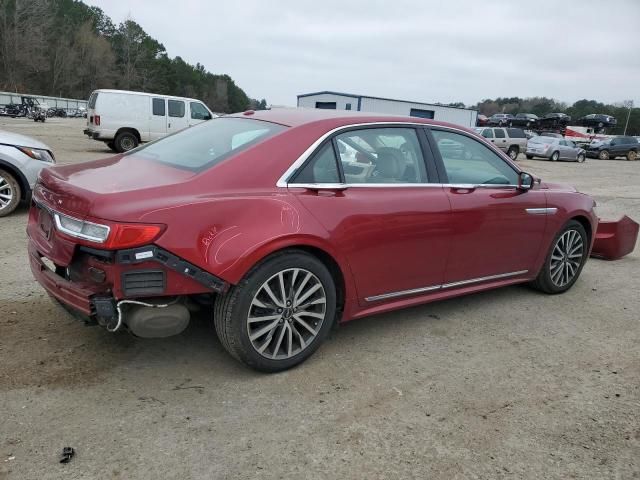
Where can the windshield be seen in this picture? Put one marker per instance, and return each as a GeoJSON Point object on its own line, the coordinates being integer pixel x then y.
{"type": "Point", "coordinates": [208, 143]}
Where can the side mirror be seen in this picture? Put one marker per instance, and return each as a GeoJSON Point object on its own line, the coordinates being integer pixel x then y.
{"type": "Point", "coordinates": [207, 116]}
{"type": "Point", "coordinates": [525, 181]}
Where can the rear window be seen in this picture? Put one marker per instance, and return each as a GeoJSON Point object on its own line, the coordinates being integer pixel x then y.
{"type": "Point", "coordinates": [209, 143]}
{"type": "Point", "coordinates": [540, 140]}
{"type": "Point", "coordinates": [516, 133]}
{"type": "Point", "coordinates": [93, 99]}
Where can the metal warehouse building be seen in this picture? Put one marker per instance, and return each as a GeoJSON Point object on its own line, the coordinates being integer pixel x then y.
{"type": "Point", "coordinates": [362, 103]}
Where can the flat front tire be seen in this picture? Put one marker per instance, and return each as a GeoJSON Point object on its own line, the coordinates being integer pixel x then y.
{"type": "Point", "coordinates": [279, 314]}
{"type": "Point", "coordinates": [565, 259]}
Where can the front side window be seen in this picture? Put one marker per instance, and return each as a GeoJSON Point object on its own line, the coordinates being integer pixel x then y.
{"type": "Point", "coordinates": [468, 161]}
{"type": "Point", "coordinates": [487, 133]}
{"type": "Point", "coordinates": [176, 108]}
{"type": "Point", "coordinates": [158, 107]}
{"type": "Point", "coordinates": [199, 112]}
{"type": "Point", "coordinates": [381, 156]}
{"type": "Point", "coordinates": [208, 143]}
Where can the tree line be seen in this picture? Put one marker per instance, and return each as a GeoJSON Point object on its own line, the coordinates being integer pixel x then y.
{"type": "Point", "coordinates": [66, 48]}
{"type": "Point", "coordinates": [540, 106]}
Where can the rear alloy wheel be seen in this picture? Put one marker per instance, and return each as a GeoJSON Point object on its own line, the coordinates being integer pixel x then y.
{"type": "Point", "coordinates": [513, 152]}
{"type": "Point", "coordinates": [565, 260]}
{"type": "Point", "coordinates": [581, 158]}
{"type": "Point", "coordinates": [631, 155]}
{"type": "Point", "coordinates": [279, 314]}
{"type": "Point", "coordinates": [603, 155]}
{"type": "Point", "coordinates": [555, 156]}
{"type": "Point", "coordinates": [125, 141]}
{"type": "Point", "coordinates": [9, 193]}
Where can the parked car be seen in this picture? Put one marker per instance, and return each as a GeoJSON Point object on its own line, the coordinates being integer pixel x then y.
{"type": "Point", "coordinates": [21, 159]}
{"type": "Point", "coordinates": [510, 140]}
{"type": "Point", "coordinates": [551, 134]}
{"type": "Point", "coordinates": [616, 147]}
{"type": "Point", "coordinates": [260, 218]}
{"type": "Point", "coordinates": [481, 120]}
{"type": "Point", "coordinates": [500, 119]}
{"type": "Point", "coordinates": [554, 149]}
{"type": "Point", "coordinates": [123, 119]}
{"type": "Point", "coordinates": [598, 120]}
{"type": "Point", "coordinates": [526, 120]}
{"type": "Point", "coordinates": [554, 121]}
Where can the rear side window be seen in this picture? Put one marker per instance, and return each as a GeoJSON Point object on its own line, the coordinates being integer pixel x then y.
{"type": "Point", "coordinates": [93, 99]}
{"type": "Point", "coordinates": [499, 133]}
{"type": "Point", "coordinates": [516, 133]}
{"type": "Point", "coordinates": [323, 168]}
{"type": "Point", "coordinates": [158, 107]}
{"type": "Point", "coordinates": [176, 108]}
{"type": "Point", "coordinates": [208, 143]}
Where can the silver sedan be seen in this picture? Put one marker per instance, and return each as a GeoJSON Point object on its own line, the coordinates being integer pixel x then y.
{"type": "Point", "coordinates": [554, 149]}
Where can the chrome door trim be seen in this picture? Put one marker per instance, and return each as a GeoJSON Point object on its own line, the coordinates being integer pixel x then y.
{"type": "Point", "coordinates": [344, 186]}
{"type": "Point", "coordinates": [414, 291]}
{"type": "Point", "coordinates": [484, 279]}
{"type": "Point", "coordinates": [542, 211]}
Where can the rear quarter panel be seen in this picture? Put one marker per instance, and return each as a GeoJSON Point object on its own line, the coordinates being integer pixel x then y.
{"type": "Point", "coordinates": [122, 111]}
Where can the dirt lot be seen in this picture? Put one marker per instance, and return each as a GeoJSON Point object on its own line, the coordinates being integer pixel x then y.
{"type": "Point", "coordinates": [505, 384]}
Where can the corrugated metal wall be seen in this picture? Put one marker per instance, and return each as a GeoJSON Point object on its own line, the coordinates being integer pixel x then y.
{"type": "Point", "coordinates": [7, 98]}
{"type": "Point", "coordinates": [458, 116]}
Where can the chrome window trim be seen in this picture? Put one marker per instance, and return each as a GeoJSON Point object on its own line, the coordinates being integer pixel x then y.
{"type": "Point", "coordinates": [283, 181]}
{"type": "Point", "coordinates": [344, 186]}
{"type": "Point", "coordinates": [444, 286]}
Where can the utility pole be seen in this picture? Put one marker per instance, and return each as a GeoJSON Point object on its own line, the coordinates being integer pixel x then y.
{"type": "Point", "coordinates": [629, 105]}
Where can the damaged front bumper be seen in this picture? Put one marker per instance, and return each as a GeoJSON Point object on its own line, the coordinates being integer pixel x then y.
{"type": "Point", "coordinates": [615, 238]}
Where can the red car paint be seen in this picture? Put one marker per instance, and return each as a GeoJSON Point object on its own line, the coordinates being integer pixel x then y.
{"type": "Point", "coordinates": [227, 218]}
{"type": "Point", "coordinates": [615, 238]}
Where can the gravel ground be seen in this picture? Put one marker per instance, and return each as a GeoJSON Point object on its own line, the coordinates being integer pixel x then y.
{"type": "Point", "coordinates": [504, 384]}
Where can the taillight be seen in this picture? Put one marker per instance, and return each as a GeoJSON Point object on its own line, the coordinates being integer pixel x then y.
{"type": "Point", "coordinates": [96, 120]}
{"type": "Point", "coordinates": [111, 236]}
{"type": "Point", "coordinates": [125, 235]}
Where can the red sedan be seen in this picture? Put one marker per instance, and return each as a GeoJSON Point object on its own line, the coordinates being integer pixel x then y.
{"type": "Point", "coordinates": [281, 223]}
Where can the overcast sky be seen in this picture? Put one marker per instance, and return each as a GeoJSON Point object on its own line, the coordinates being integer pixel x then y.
{"type": "Point", "coordinates": [432, 51]}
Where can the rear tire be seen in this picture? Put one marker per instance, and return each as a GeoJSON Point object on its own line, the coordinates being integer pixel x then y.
{"type": "Point", "coordinates": [632, 155]}
{"type": "Point", "coordinates": [565, 260]}
{"type": "Point", "coordinates": [513, 152]}
{"type": "Point", "coordinates": [125, 141]}
{"type": "Point", "coordinates": [555, 156]}
{"type": "Point", "coordinates": [10, 193]}
{"type": "Point", "coordinates": [284, 338]}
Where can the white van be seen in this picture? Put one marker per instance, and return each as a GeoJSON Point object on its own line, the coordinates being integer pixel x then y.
{"type": "Point", "coordinates": [124, 119]}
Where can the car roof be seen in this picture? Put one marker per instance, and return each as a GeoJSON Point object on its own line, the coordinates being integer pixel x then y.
{"type": "Point", "coordinates": [147, 94]}
{"type": "Point", "coordinates": [295, 117]}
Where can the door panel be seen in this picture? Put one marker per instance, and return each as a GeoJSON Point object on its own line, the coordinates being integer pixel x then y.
{"type": "Point", "coordinates": [158, 118]}
{"type": "Point", "coordinates": [395, 239]}
{"type": "Point", "coordinates": [177, 116]}
{"type": "Point", "coordinates": [492, 231]}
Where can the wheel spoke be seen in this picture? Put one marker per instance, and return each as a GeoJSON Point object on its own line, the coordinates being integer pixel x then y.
{"type": "Point", "coordinates": [310, 292]}
{"type": "Point", "coordinates": [317, 301]}
{"type": "Point", "coordinates": [279, 342]}
{"type": "Point", "coordinates": [304, 324]}
{"type": "Point", "coordinates": [263, 319]}
{"type": "Point", "coordinates": [311, 314]}
{"type": "Point", "coordinates": [267, 289]}
{"type": "Point", "coordinates": [302, 285]}
{"type": "Point", "coordinates": [282, 289]}
{"type": "Point", "coordinates": [264, 330]}
{"type": "Point", "coordinates": [289, 340]}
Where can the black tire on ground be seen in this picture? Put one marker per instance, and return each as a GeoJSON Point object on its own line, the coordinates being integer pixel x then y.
{"type": "Point", "coordinates": [125, 141]}
{"type": "Point", "coordinates": [632, 155]}
{"type": "Point", "coordinates": [555, 156]}
{"type": "Point", "coordinates": [231, 310]}
{"type": "Point", "coordinates": [10, 193]}
{"type": "Point", "coordinates": [529, 157]}
{"type": "Point", "coordinates": [581, 158]}
{"type": "Point", "coordinates": [513, 152]}
{"type": "Point", "coordinates": [603, 155]}
{"type": "Point", "coordinates": [111, 145]}
{"type": "Point", "coordinates": [544, 282]}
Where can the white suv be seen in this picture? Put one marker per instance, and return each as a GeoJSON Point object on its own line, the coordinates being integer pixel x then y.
{"type": "Point", "coordinates": [510, 140]}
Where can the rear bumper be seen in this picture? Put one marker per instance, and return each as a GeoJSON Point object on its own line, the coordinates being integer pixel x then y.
{"type": "Point", "coordinates": [615, 239]}
{"type": "Point", "coordinates": [95, 135]}
{"type": "Point", "coordinates": [72, 294]}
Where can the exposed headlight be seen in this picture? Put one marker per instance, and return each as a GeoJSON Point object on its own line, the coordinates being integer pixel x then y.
{"type": "Point", "coordinates": [38, 154]}
{"type": "Point", "coordinates": [81, 228]}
